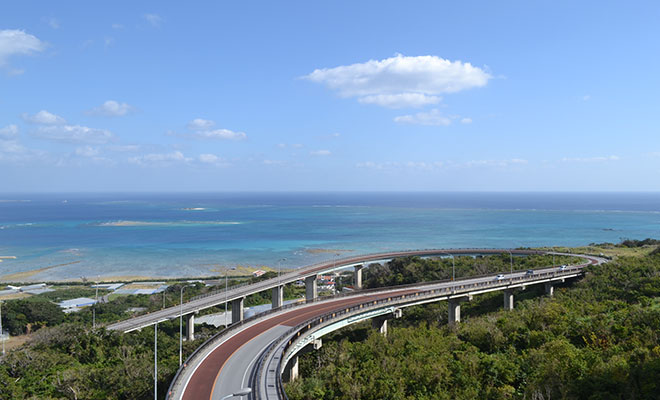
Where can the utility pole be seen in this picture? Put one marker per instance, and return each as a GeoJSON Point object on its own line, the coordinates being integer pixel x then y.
{"type": "Point", "coordinates": [2, 336]}
{"type": "Point", "coordinates": [156, 361]}
{"type": "Point", "coordinates": [96, 300]}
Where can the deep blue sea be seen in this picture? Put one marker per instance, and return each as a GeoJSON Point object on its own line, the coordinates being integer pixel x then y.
{"type": "Point", "coordinates": [168, 235]}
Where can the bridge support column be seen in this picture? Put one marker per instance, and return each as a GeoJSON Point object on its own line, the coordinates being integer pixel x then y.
{"type": "Point", "coordinates": [455, 308]}
{"type": "Point", "coordinates": [237, 310]}
{"type": "Point", "coordinates": [549, 289]}
{"type": "Point", "coordinates": [508, 300]}
{"type": "Point", "coordinates": [310, 288]}
{"type": "Point", "coordinates": [380, 324]}
{"type": "Point", "coordinates": [278, 296]}
{"type": "Point", "coordinates": [190, 326]}
{"type": "Point", "coordinates": [358, 276]}
{"type": "Point", "coordinates": [293, 369]}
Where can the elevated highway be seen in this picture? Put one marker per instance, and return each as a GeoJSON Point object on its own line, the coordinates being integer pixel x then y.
{"type": "Point", "coordinates": [236, 295]}
{"type": "Point", "coordinates": [256, 353]}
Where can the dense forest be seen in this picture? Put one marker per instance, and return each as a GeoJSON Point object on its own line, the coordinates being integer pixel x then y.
{"type": "Point", "coordinates": [598, 338]}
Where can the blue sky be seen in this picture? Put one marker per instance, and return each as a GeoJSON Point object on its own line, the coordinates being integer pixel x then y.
{"type": "Point", "coordinates": [372, 95]}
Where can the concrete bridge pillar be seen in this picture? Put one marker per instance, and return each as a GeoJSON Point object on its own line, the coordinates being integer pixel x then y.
{"type": "Point", "coordinates": [380, 324]}
{"type": "Point", "coordinates": [310, 288]}
{"type": "Point", "coordinates": [508, 300]}
{"type": "Point", "coordinates": [455, 308]}
{"type": "Point", "coordinates": [237, 310]}
{"type": "Point", "coordinates": [549, 289]}
{"type": "Point", "coordinates": [190, 326]}
{"type": "Point", "coordinates": [293, 369]}
{"type": "Point", "coordinates": [278, 296]}
{"type": "Point", "coordinates": [358, 276]}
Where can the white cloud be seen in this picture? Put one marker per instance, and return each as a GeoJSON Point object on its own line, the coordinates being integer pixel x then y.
{"type": "Point", "coordinates": [466, 120]}
{"type": "Point", "coordinates": [154, 19]}
{"type": "Point", "coordinates": [52, 22]}
{"type": "Point", "coordinates": [297, 145]}
{"type": "Point", "coordinates": [117, 26]}
{"type": "Point", "coordinates": [74, 134]}
{"type": "Point", "coordinates": [401, 81]}
{"type": "Point", "coordinates": [493, 163]}
{"type": "Point", "coordinates": [212, 159]}
{"type": "Point", "coordinates": [433, 117]}
{"type": "Point", "coordinates": [87, 151]}
{"type": "Point", "coordinates": [396, 165]}
{"type": "Point", "coordinates": [199, 124]}
{"type": "Point", "coordinates": [225, 134]}
{"type": "Point", "coordinates": [43, 117]}
{"type": "Point", "coordinates": [591, 159]}
{"type": "Point", "coordinates": [11, 146]}
{"type": "Point", "coordinates": [208, 158]}
{"type": "Point", "coordinates": [112, 108]}
{"type": "Point", "coordinates": [320, 153]}
{"type": "Point", "coordinates": [160, 158]}
{"type": "Point", "coordinates": [202, 130]}
{"type": "Point", "coordinates": [125, 148]}
{"type": "Point", "coordinates": [586, 97]}
{"type": "Point", "coordinates": [9, 132]}
{"type": "Point", "coordinates": [400, 100]}
{"type": "Point", "coordinates": [17, 42]}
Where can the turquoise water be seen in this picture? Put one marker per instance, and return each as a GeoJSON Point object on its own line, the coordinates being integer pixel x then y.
{"type": "Point", "coordinates": [169, 235]}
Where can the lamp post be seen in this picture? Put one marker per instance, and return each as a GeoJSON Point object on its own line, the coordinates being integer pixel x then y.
{"type": "Point", "coordinates": [511, 255]}
{"type": "Point", "coordinates": [96, 300]}
{"type": "Point", "coordinates": [2, 336]}
{"type": "Point", "coordinates": [181, 325]}
{"type": "Point", "coordinates": [240, 393]}
{"type": "Point", "coordinates": [453, 266]}
{"type": "Point", "coordinates": [156, 361]}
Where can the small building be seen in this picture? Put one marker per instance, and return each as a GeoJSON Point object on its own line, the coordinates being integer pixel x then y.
{"type": "Point", "coordinates": [258, 273]}
{"type": "Point", "coordinates": [75, 305]}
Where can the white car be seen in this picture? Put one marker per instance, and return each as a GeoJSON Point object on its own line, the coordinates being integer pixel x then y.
{"type": "Point", "coordinates": [563, 267]}
{"type": "Point", "coordinates": [499, 277]}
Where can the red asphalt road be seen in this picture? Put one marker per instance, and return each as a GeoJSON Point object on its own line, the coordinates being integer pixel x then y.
{"type": "Point", "coordinates": [203, 380]}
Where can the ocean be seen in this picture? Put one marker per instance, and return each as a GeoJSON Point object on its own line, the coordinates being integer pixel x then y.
{"type": "Point", "coordinates": [69, 236]}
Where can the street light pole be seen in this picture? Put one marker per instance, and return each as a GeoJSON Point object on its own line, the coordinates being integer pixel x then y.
{"type": "Point", "coordinates": [226, 290]}
{"type": "Point", "coordinates": [243, 392]}
{"type": "Point", "coordinates": [156, 361]}
{"type": "Point", "coordinates": [96, 300]}
{"type": "Point", "coordinates": [181, 326]}
{"type": "Point", "coordinates": [511, 255]}
{"type": "Point", "coordinates": [2, 337]}
{"type": "Point", "coordinates": [453, 266]}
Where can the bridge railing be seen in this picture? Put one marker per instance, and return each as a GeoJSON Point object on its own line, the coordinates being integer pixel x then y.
{"type": "Point", "coordinates": [294, 335]}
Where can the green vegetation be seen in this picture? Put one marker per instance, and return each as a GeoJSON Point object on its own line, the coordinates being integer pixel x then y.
{"type": "Point", "coordinates": [406, 270]}
{"type": "Point", "coordinates": [597, 339]}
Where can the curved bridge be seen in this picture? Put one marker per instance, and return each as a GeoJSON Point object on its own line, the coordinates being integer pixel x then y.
{"type": "Point", "coordinates": [236, 294]}
{"type": "Point", "coordinates": [256, 352]}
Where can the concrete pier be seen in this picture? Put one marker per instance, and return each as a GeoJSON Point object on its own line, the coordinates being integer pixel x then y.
{"type": "Point", "coordinates": [278, 296]}
{"type": "Point", "coordinates": [455, 308]}
{"type": "Point", "coordinates": [358, 277]}
{"type": "Point", "coordinates": [549, 289]}
{"type": "Point", "coordinates": [508, 300]}
{"type": "Point", "coordinates": [310, 288]}
{"type": "Point", "coordinates": [380, 324]}
{"type": "Point", "coordinates": [190, 326]}
{"type": "Point", "coordinates": [237, 310]}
